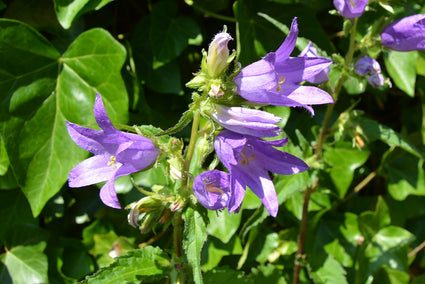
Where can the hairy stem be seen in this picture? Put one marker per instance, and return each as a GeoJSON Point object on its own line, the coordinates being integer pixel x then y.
{"type": "Point", "coordinates": [335, 95]}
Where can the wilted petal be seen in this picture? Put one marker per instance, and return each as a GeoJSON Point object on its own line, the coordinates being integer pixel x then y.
{"type": "Point", "coordinates": [109, 196]}
{"type": "Point", "coordinates": [406, 34]}
{"type": "Point", "coordinates": [92, 170]}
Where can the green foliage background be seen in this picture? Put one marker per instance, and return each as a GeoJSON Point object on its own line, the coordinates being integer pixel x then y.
{"type": "Point", "coordinates": [366, 213]}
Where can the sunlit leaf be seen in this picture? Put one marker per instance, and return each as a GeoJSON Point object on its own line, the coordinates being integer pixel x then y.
{"type": "Point", "coordinates": [402, 68]}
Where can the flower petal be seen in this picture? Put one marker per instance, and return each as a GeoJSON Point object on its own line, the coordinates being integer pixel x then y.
{"type": "Point", "coordinates": [238, 193]}
{"type": "Point", "coordinates": [109, 196]}
{"type": "Point", "coordinates": [86, 138]}
{"type": "Point", "coordinates": [92, 170]}
{"type": "Point", "coordinates": [227, 145]}
{"type": "Point", "coordinates": [298, 69]}
{"type": "Point", "coordinates": [101, 117]}
{"type": "Point", "coordinates": [308, 95]}
{"type": "Point", "coordinates": [288, 45]}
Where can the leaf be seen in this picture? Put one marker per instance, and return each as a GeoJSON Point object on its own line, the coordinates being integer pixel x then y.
{"type": "Point", "coordinates": [4, 159]}
{"type": "Point", "coordinates": [330, 272]}
{"type": "Point", "coordinates": [170, 33]}
{"type": "Point", "coordinates": [375, 131]}
{"type": "Point", "coordinates": [146, 264]}
{"type": "Point", "coordinates": [194, 237]}
{"type": "Point", "coordinates": [223, 225]}
{"type": "Point", "coordinates": [26, 264]}
{"type": "Point", "coordinates": [344, 161]}
{"type": "Point", "coordinates": [225, 275]}
{"type": "Point", "coordinates": [401, 66]}
{"type": "Point", "coordinates": [68, 10]}
{"type": "Point", "coordinates": [37, 99]}
{"type": "Point", "coordinates": [185, 119]}
{"type": "Point", "coordinates": [215, 250]}
{"type": "Point", "coordinates": [370, 222]}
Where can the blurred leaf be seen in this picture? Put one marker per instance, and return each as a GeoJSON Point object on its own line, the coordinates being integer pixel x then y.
{"type": "Point", "coordinates": [375, 131]}
{"type": "Point", "coordinates": [270, 244]}
{"type": "Point", "coordinates": [4, 159]}
{"type": "Point", "coordinates": [194, 237]}
{"type": "Point", "coordinates": [68, 10]}
{"type": "Point", "coordinates": [267, 274]}
{"type": "Point", "coordinates": [37, 100]}
{"type": "Point", "coordinates": [420, 64]}
{"type": "Point", "coordinates": [170, 33]}
{"type": "Point", "coordinates": [146, 264]}
{"type": "Point", "coordinates": [76, 261]}
{"type": "Point", "coordinates": [401, 66]}
{"type": "Point", "coordinates": [331, 272]}
{"type": "Point", "coordinates": [354, 85]}
{"type": "Point", "coordinates": [370, 222]}
{"type": "Point", "coordinates": [224, 275]}
{"type": "Point", "coordinates": [14, 209]}
{"type": "Point", "coordinates": [344, 161]}
{"type": "Point", "coordinates": [386, 275]}
{"type": "Point", "coordinates": [26, 264]}
{"type": "Point", "coordinates": [222, 224]}
{"type": "Point", "coordinates": [215, 250]}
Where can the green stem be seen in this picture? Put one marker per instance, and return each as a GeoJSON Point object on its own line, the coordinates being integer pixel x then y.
{"type": "Point", "coordinates": [335, 95]}
{"type": "Point", "coordinates": [214, 15]}
{"type": "Point", "coordinates": [191, 147]}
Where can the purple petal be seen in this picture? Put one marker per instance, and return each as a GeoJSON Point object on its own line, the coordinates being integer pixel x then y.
{"type": "Point", "coordinates": [86, 138]}
{"type": "Point", "coordinates": [92, 170]}
{"type": "Point", "coordinates": [237, 196]}
{"type": "Point", "coordinates": [227, 145]}
{"type": "Point", "coordinates": [247, 121]}
{"type": "Point", "coordinates": [308, 95]}
{"type": "Point", "coordinates": [298, 69]}
{"type": "Point", "coordinates": [406, 34]}
{"type": "Point", "coordinates": [102, 118]}
{"type": "Point", "coordinates": [350, 8]}
{"type": "Point", "coordinates": [109, 196]}
{"type": "Point", "coordinates": [288, 45]}
{"type": "Point", "coordinates": [212, 189]}
{"type": "Point", "coordinates": [367, 66]}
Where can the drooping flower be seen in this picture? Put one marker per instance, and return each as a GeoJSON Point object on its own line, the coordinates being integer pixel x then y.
{"type": "Point", "coordinates": [218, 53]}
{"type": "Point", "coordinates": [275, 78]}
{"type": "Point", "coordinates": [406, 34]}
{"type": "Point", "coordinates": [249, 160]}
{"type": "Point", "coordinates": [367, 66]}
{"type": "Point", "coordinates": [350, 9]}
{"type": "Point", "coordinates": [311, 51]}
{"type": "Point", "coordinates": [246, 121]}
{"type": "Point", "coordinates": [116, 154]}
{"type": "Point", "coordinates": [212, 189]}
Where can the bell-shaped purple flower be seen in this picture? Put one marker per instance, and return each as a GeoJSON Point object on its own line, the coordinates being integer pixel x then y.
{"type": "Point", "coordinates": [246, 121]}
{"type": "Point", "coordinates": [350, 9]}
{"type": "Point", "coordinates": [275, 78]}
{"type": "Point", "coordinates": [406, 34]}
{"type": "Point", "coordinates": [249, 160]}
{"type": "Point", "coordinates": [367, 66]}
{"type": "Point", "coordinates": [116, 154]}
{"type": "Point", "coordinates": [376, 80]}
{"type": "Point", "coordinates": [311, 51]}
{"type": "Point", "coordinates": [213, 190]}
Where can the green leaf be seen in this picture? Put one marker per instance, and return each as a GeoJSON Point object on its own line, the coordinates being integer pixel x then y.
{"type": "Point", "coordinates": [225, 275]}
{"type": "Point", "coordinates": [215, 250]}
{"type": "Point", "coordinates": [148, 263]}
{"type": "Point", "coordinates": [26, 264]}
{"type": "Point", "coordinates": [344, 161]}
{"type": "Point", "coordinates": [401, 66]}
{"type": "Point", "coordinates": [37, 100]}
{"type": "Point", "coordinates": [170, 33]}
{"type": "Point", "coordinates": [386, 275]}
{"type": "Point", "coordinates": [370, 222]}
{"type": "Point", "coordinates": [222, 224]}
{"type": "Point", "coordinates": [186, 118]}
{"type": "Point", "coordinates": [68, 10]}
{"type": "Point", "coordinates": [4, 159]}
{"type": "Point", "coordinates": [330, 272]}
{"type": "Point", "coordinates": [375, 131]}
{"type": "Point", "coordinates": [194, 237]}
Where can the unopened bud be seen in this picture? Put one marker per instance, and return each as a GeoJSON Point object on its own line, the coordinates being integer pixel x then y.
{"type": "Point", "coordinates": [215, 91]}
{"type": "Point", "coordinates": [218, 53]}
{"type": "Point", "coordinates": [178, 205]}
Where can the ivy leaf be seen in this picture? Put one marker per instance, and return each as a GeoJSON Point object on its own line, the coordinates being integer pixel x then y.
{"type": "Point", "coordinates": [146, 264]}
{"type": "Point", "coordinates": [223, 225]}
{"type": "Point", "coordinates": [68, 10]}
{"type": "Point", "coordinates": [401, 66]}
{"type": "Point", "coordinates": [26, 264]}
{"type": "Point", "coordinates": [330, 272]}
{"type": "Point", "coordinates": [194, 237]}
{"type": "Point", "coordinates": [37, 99]}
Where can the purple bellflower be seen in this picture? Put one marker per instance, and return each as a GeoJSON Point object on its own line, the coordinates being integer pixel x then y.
{"type": "Point", "coordinates": [212, 189]}
{"type": "Point", "coordinates": [218, 53]}
{"type": "Point", "coordinates": [116, 154]}
{"type": "Point", "coordinates": [311, 51]}
{"type": "Point", "coordinates": [367, 66]}
{"type": "Point", "coordinates": [376, 80]}
{"type": "Point", "coordinates": [246, 121]}
{"type": "Point", "coordinates": [350, 9]}
{"type": "Point", "coordinates": [249, 160]}
{"type": "Point", "coordinates": [275, 79]}
{"type": "Point", "coordinates": [406, 34]}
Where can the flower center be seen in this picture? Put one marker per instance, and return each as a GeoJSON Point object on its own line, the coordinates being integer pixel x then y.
{"type": "Point", "coordinates": [281, 81]}
{"type": "Point", "coordinates": [213, 189]}
{"type": "Point", "coordinates": [112, 162]}
{"type": "Point", "coordinates": [245, 159]}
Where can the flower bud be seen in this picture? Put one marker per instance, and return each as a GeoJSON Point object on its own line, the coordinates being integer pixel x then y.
{"type": "Point", "coordinates": [406, 34]}
{"type": "Point", "coordinates": [218, 53]}
{"type": "Point", "coordinates": [350, 9]}
{"type": "Point", "coordinates": [367, 66]}
{"type": "Point", "coordinates": [212, 189]}
{"type": "Point", "coordinates": [376, 80]}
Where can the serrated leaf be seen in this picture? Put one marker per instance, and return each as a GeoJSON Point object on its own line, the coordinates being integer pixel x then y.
{"type": "Point", "coordinates": [148, 263]}
{"type": "Point", "coordinates": [401, 66]}
{"type": "Point", "coordinates": [194, 237]}
{"type": "Point", "coordinates": [217, 249]}
{"type": "Point", "coordinates": [37, 99]}
{"type": "Point", "coordinates": [331, 272]}
{"type": "Point", "coordinates": [185, 119]}
{"type": "Point", "coordinates": [375, 131]}
{"type": "Point", "coordinates": [68, 10]}
{"type": "Point", "coordinates": [170, 33]}
{"type": "Point", "coordinates": [222, 224]}
{"type": "Point", "coordinates": [26, 264]}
